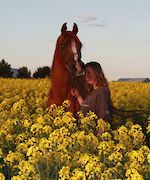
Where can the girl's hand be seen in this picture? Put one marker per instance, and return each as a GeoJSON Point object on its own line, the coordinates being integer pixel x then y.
{"type": "Point", "coordinates": [74, 92]}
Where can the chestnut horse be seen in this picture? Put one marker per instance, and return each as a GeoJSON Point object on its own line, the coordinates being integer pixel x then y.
{"type": "Point", "coordinates": [67, 70]}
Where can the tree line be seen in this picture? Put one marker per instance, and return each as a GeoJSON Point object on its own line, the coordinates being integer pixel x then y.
{"type": "Point", "coordinates": [23, 72]}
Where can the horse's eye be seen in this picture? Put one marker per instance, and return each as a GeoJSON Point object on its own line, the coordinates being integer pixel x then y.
{"type": "Point", "coordinates": [62, 46]}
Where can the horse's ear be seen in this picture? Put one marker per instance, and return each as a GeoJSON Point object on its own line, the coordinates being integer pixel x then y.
{"type": "Point", "coordinates": [75, 28]}
{"type": "Point", "coordinates": [64, 28]}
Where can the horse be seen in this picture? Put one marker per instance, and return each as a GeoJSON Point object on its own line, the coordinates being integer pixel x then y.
{"type": "Point", "coordinates": [67, 70]}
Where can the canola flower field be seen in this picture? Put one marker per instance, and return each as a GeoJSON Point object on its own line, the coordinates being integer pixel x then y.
{"type": "Point", "coordinates": [42, 144]}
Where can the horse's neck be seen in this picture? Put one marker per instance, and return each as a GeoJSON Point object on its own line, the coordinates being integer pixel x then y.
{"type": "Point", "coordinates": [60, 72]}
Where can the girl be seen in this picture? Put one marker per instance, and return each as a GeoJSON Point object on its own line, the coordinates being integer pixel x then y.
{"type": "Point", "coordinates": [98, 99]}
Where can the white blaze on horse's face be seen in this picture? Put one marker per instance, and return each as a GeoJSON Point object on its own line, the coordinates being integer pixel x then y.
{"type": "Point", "coordinates": [74, 50]}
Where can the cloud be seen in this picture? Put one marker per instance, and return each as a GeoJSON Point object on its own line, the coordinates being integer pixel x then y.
{"type": "Point", "coordinates": [126, 26]}
{"type": "Point", "coordinates": [53, 12]}
{"type": "Point", "coordinates": [134, 17]}
{"type": "Point", "coordinates": [103, 20]}
{"type": "Point", "coordinates": [91, 20]}
{"type": "Point", "coordinates": [98, 25]}
{"type": "Point", "coordinates": [87, 18]}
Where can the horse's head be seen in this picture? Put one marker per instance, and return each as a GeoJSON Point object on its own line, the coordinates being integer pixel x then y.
{"type": "Point", "coordinates": [69, 48]}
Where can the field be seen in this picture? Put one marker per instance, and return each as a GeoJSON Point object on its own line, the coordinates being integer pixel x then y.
{"type": "Point", "coordinates": [41, 144]}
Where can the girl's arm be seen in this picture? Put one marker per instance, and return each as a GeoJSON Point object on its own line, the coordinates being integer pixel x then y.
{"type": "Point", "coordinates": [75, 93]}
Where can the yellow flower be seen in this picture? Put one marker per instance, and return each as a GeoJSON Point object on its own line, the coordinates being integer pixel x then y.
{"type": "Point", "coordinates": [106, 147]}
{"type": "Point", "coordinates": [132, 174]}
{"type": "Point", "coordinates": [36, 128]}
{"type": "Point", "coordinates": [2, 177]}
{"type": "Point", "coordinates": [36, 142]}
{"type": "Point", "coordinates": [148, 158]}
{"type": "Point", "coordinates": [66, 104]}
{"type": "Point", "coordinates": [18, 177]}
{"type": "Point", "coordinates": [1, 153]}
{"type": "Point", "coordinates": [137, 135]}
{"type": "Point", "coordinates": [64, 173]}
{"type": "Point", "coordinates": [12, 157]}
{"type": "Point", "coordinates": [26, 169]}
{"type": "Point", "coordinates": [129, 123]}
{"type": "Point", "coordinates": [47, 129]}
{"type": "Point", "coordinates": [41, 120]}
{"type": "Point", "coordinates": [106, 136]}
{"type": "Point", "coordinates": [104, 126]}
{"type": "Point", "coordinates": [148, 128]}
{"type": "Point", "coordinates": [116, 157]}
{"type": "Point", "coordinates": [144, 150]}
{"type": "Point", "coordinates": [80, 115]}
{"type": "Point", "coordinates": [88, 123]}
{"type": "Point", "coordinates": [27, 123]}
{"type": "Point", "coordinates": [77, 174]}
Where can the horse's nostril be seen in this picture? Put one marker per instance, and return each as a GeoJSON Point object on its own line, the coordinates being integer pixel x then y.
{"type": "Point", "coordinates": [75, 69]}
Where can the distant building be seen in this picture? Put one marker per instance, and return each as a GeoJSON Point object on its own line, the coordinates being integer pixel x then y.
{"type": "Point", "coordinates": [15, 71]}
{"type": "Point", "coordinates": [144, 80]}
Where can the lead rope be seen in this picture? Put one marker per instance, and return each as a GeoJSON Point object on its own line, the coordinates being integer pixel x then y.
{"type": "Point", "coordinates": [74, 98]}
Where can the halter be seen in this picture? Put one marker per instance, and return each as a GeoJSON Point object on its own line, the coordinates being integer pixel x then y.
{"type": "Point", "coordinates": [70, 70]}
{"type": "Point", "coordinates": [75, 58]}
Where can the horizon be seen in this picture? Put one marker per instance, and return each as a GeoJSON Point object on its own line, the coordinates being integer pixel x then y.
{"type": "Point", "coordinates": [115, 34]}
{"type": "Point", "coordinates": [111, 80]}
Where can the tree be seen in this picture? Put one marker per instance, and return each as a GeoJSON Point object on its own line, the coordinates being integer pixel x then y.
{"type": "Point", "coordinates": [42, 72]}
{"type": "Point", "coordinates": [5, 69]}
{"type": "Point", "coordinates": [23, 72]}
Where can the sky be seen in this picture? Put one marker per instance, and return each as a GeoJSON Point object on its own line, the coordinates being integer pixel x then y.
{"type": "Point", "coordinates": [115, 33]}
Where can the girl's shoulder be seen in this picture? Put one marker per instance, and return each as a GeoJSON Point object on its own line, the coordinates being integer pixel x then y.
{"type": "Point", "coordinates": [101, 90]}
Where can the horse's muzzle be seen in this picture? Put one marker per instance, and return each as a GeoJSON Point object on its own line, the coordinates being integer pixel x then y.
{"type": "Point", "coordinates": [79, 67]}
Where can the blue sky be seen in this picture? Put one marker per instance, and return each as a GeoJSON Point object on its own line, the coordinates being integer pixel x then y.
{"type": "Point", "coordinates": [116, 33]}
